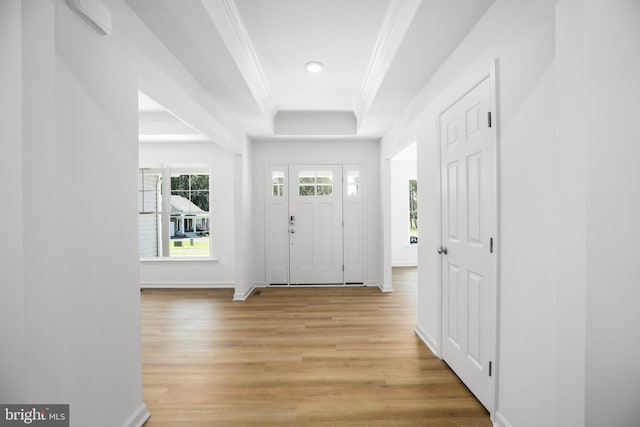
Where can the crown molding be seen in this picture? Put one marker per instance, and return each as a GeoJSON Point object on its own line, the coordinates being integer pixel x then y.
{"type": "Point", "coordinates": [315, 138]}
{"type": "Point", "coordinates": [395, 24]}
{"type": "Point", "coordinates": [227, 19]}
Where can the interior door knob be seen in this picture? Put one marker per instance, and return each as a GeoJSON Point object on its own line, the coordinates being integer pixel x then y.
{"type": "Point", "coordinates": [442, 250]}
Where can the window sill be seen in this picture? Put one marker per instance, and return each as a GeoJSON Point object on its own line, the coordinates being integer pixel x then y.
{"type": "Point", "coordinates": [179, 259]}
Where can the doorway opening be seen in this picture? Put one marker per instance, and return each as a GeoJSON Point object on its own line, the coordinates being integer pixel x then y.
{"type": "Point", "coordinates": [404, 208]}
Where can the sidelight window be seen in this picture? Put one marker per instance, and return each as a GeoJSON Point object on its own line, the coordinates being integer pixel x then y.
{"type": "Point", "coordinates": [353, 183]}
{"type": "Point", "coordinates": [277, 183]}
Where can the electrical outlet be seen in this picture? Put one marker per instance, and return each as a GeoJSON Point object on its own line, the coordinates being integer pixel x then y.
{"type": "Point", "coordinates": [223, 260]}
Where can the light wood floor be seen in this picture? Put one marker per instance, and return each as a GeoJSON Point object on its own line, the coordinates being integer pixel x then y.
{"type": "Point", "coordinates": [331, 356]}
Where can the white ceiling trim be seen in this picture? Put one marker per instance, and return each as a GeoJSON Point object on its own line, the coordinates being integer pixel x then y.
{"type": "Point", "coordinates": [227, 19]}
{"type": "Point", "coordinates": [396, 22]}
{"type": "Point", "coordinates": [178, 137]}
{"type": "Point", "coordinates": [315, 123]}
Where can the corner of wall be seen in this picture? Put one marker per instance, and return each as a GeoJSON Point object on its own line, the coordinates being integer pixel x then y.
{"type": "Point", "coordinates": [428, 341]}
{"type": "Point", "coordinates": [386, 288]}
{"type": "Point", "coordinates": [239, 295]}
{"type": "Point", "coordinates": [500, 420]}
{"type": "Point", "coordinates": [139, 417]}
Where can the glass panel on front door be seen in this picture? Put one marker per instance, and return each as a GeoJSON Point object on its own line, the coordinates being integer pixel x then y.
{"type": "Point", "coordinates": [315, 183]}
{"type": "Point", "coordinates": [324, 183]}
{"type": "Point", "coordinates": [307, 180]}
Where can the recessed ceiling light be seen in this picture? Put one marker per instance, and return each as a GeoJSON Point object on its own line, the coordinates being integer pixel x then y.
{"type": "Point", "coordinates": [314, 66]}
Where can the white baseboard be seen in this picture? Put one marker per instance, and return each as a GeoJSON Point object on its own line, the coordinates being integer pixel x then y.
{"type": "Point", "coordinates": [403, 264]}
{"type": "Point", "coordinates": [379, 285]}
{"type": "Point", "coordinates": [501, 421]}
{"type": "Point", "coordinates": [260, 285]}
{"type": "Point", "coordinates": [428, 341]}
{"type": "Point", "coordinates": [386, 288]}
{"type": "Point", "coordinates": [242, 296]}
{"type": "Point", "coordinates": [138, 418]}
{"type": "Point", "coordinates": [187, 285]}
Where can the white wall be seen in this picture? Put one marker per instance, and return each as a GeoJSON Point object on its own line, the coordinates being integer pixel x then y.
{"type": "Point", "coordinates": [41, 233]}
{"type": "Point", "coordinates": [402, 253]}
{"type": "Point", "coordinates": [364, 152]}
{"type": "Point", "coordinates": [200, 273]}
{"type": "Point", "coordinates": [244, 224]}
{"type": "Point", "coordinates": [70, 277]}
{"type": "Point", "coordinates": [612, 40]}
{"type": "Point", "coordinates": [521, 36]}
{"type": "Point", "coordinates": [13, 366]}
{"type": "Point", "coordinates": [96, 157]}
{"type": "Point", "coordinates": [569, 202]}
{"type": "Point", "coordinates": [71, 99]}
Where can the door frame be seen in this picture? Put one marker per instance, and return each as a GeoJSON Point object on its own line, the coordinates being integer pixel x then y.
{"type": "Point", "coordinates": [467, 84]}
{"type": "Point", "coordinates": [267, 188]}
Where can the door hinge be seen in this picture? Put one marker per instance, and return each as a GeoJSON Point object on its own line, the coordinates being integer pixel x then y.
{"type": "Point", "coordinates": [342, 267]}
{"type": "Point", "coordinates": [490, 368]}
{"type": "Point", "coordinates": [491, 244]}
{"type": "Point", "coordinates": [489, 118]}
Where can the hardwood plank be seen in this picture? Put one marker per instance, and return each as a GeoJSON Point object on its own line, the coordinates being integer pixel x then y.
{"type": "Point", "coordinates": [296, 356]}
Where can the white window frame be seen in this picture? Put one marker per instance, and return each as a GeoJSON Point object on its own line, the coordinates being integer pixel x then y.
{"type": "Point", "coordinates": [165, 213]}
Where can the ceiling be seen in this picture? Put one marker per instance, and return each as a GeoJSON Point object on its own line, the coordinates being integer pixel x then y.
{"type": "Point", "coordinates": [408, 154]}
{"type": "Point", "coordinates": [250, 56]}
{"type": "Point", "coordinates": [288, 33]}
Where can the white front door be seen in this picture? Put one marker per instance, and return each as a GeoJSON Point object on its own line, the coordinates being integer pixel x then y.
{"type": "Point", "coordinates": [315, 224]}
{"type": "Point", "coordinates": [468, 238]}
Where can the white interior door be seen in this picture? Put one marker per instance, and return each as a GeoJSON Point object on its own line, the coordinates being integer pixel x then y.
{"type": "Point", "coordinates": [315, 224]}
{"type": "Point", "coordinates": [468, 236]}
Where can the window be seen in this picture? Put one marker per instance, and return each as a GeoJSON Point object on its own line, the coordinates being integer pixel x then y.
{"type": "Point", "coordinates": [277, 183]}
{"type": "Point", "coordinates": [307, 183]}
{"type": "Point", "coordinates": [174, 218]}
{"type": "Point", "coordinates": [150, 212]}
{"type": "Point", "coordinates": [353, 183]}
{"type": "Point", "coordinates": [413, 211]}
{"type": "Point", "coordinates": [315, 183]}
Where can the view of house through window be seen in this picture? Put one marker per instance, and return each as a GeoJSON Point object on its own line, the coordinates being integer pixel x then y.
{"type": "Point", "coordinates": [174, 212]}
{"type": "Point", "coordinates": [413, 211]}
